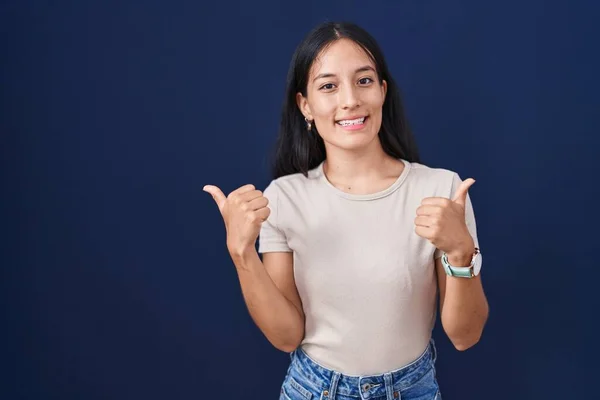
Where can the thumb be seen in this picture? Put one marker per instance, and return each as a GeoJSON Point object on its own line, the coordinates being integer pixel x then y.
{"type": "Point", "coordinates": [461, 193]}
{"type": "Point", "coordinates": [217, 195]}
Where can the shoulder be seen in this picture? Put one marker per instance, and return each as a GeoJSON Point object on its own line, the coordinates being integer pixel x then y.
{"type": "Point", "coordinates": [291, 185]}
{"type": "Point", "coordinates": [435, 173]}
{"type": "Point", "coordinates": [442, 181]}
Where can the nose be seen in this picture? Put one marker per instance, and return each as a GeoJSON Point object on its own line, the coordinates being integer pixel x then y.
{"type": "Point", "coordinates": [348, 97]}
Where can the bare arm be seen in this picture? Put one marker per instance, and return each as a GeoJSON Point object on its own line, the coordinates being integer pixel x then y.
{"type": "Point", "coordinates": [268, 288]}
{"type": "Point", "coordinates": [271, 296]}
{"type": "Point", "coordinates": [463, 306]}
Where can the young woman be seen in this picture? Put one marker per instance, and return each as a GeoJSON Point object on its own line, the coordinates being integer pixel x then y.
{"type": "Point", "coordinates": [358, 238]}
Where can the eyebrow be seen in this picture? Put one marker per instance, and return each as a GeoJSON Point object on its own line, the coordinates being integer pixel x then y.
{"type": "Point", "coordinates": [328, 75]}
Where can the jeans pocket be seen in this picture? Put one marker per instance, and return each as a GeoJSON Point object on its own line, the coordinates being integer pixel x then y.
{"type": "Point", "coordinates": [426, 387]}
{"type": "Point", "coordinates": [293, 390]}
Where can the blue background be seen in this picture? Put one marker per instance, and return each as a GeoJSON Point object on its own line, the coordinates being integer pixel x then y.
{"type": "Point", "coordinates": [116, 282]}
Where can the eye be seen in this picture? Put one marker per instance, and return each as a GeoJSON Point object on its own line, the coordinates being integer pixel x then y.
{"type": "Point", "coordinates": [327, 86]}
{"type": "Point", "coordinates": [365, 81]}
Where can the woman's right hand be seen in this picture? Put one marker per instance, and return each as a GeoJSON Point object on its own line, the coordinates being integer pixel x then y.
{"type": "Point", "coordinates": [243, 211]}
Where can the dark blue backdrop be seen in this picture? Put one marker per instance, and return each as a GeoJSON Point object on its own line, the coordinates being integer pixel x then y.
{"type": "Point", "coordinates": [116, 282]}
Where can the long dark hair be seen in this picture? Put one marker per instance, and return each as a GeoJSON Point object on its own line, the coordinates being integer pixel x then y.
{"type": "Point", "coordinates": [299, 150]}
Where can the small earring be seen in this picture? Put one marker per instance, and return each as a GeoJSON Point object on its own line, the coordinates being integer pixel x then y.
{"type": "Point", "coordinates": [308, 124]}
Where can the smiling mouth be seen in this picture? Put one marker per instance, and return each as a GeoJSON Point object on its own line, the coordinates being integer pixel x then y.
{"type": "Point", "coordinates": [352, 122]}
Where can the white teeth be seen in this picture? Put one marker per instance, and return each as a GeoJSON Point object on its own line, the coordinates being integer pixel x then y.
{"type": "Point", "coordinates": [347, 122]}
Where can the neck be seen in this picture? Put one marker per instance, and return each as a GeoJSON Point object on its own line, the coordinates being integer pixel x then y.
{"type": "Point", "coordinates": [357, 166]}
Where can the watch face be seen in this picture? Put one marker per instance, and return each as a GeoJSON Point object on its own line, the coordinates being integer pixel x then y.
{"type": "Point", "coordinates": [477, 264]}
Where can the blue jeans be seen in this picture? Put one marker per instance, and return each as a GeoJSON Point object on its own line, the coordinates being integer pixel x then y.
{"type": "Point", "coordinates": [307, 380]}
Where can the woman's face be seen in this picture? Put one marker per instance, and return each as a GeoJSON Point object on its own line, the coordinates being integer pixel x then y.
{"type": "Point", "coordinates": [343, 97]}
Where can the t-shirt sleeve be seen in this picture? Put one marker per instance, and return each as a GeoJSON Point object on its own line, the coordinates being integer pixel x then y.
{"type": "Point", "coordinates": [469, 214]}
{"type": "Point", "coordinates": [271, 237]}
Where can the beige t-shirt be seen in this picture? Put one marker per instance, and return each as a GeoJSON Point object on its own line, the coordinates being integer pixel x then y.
{"type": "Point", "coordinates": [367, 281]}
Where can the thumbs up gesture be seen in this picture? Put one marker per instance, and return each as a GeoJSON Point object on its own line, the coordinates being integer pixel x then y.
{"type": "Point", "coordinates": [442, 221]}
{"type": "Point", "coordinates": [243, 211]}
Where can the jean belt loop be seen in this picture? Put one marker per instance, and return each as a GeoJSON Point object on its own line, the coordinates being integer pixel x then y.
{"type": "Point", "coordinates": [389, 386]}
{"type": "Point", "coordinates": [334, 384]}
{"type": "Point", "coordinates": [433, 350]}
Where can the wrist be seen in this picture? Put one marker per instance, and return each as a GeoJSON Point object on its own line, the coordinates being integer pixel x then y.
{"type": "Point", "coordinates": [462, 257]}
{"type": "Point", "coordinates": [240, 254]}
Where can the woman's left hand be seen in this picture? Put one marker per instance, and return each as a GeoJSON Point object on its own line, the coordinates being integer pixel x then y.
{"type": "Point", "coordinates": [442, 222]}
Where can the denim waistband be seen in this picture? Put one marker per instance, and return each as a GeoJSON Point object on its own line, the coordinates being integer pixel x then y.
{"type": "Point", "coordinates": [368, 386]}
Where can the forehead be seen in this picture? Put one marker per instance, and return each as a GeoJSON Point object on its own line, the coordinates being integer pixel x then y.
{"type": "Point", "coordinates": [343, 55]}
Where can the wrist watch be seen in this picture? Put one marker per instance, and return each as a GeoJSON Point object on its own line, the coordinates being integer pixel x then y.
{"type": "Point", "coordinates": [470, 271]}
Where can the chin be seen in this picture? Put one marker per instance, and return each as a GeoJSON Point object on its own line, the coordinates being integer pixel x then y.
{"type": "Point", "coordinates": [354, 141]}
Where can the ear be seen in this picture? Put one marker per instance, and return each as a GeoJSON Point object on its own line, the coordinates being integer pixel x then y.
{"type": "Point", "coordinates": [384, 88]}
{"type": "Point", "coordinates": [303, 106]}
